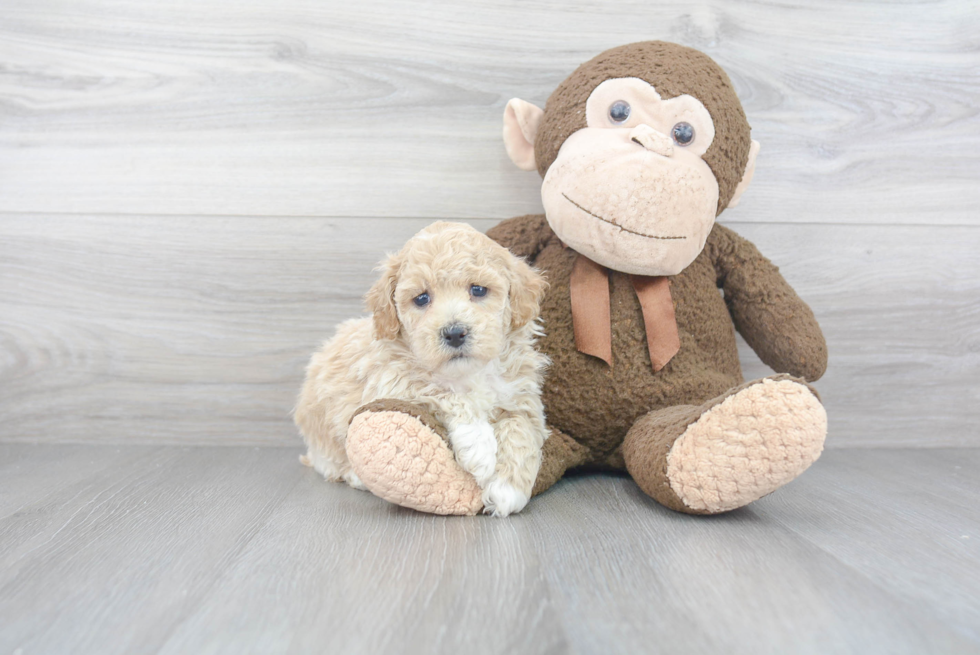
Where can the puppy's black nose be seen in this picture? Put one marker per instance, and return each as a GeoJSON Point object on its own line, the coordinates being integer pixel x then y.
{"type": "Point", "coordinates": [454, 336]}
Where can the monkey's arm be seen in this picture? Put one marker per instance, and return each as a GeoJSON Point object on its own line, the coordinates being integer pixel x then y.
{"type": "Point", "coordinates": [774, 321]}
{"type": "Point", "coordinates": [524, 236]}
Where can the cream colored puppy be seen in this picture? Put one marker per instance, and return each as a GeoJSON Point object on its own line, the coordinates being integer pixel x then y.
{"type": "Point", "coordinates": [453, 328]}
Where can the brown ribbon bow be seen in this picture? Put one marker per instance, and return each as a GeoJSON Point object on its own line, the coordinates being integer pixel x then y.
{"type": "Point", "coordinates": [591, 315]}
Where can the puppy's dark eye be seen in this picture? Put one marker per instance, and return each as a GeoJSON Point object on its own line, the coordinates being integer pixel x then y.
{"type": "Point", "coordinates": [683, 134]}
{"type": "Point", "coordinates": [477, 291]}
{"type": "Point", "coordinates": [421, 300]}
{"type": "Point", "coordinates": [619, 111]}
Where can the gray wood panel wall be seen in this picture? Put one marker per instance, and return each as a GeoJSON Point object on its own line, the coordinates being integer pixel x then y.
{"type": "Point", "coordinates": [193, 193]}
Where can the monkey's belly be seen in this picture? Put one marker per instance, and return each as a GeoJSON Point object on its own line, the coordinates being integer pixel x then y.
{"type": "Point", "coordinates": [596, 404]}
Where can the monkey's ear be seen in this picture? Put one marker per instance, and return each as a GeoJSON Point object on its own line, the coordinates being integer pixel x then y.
{"type": "Point", "coordinates": [521, 120]}
{"type": "Point", "coordinates": [380, 301]}
{"type": "Point", "coordinates": [746, 176]}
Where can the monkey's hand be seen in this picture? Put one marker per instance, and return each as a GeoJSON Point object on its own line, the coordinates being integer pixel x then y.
{"type": "Point", "coordinates": [774, 321]}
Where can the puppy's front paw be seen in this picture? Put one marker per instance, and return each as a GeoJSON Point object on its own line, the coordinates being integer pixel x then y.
{"type": "Point", "coordinates": [351, 478]}
{"type": "Point", "coordinates": [501, 498]}
{"type": "Point", "coordinates": [476, 449]}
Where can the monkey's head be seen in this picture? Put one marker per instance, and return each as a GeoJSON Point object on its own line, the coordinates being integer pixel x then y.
{"type": "Point", "coordinates": [640, 149]}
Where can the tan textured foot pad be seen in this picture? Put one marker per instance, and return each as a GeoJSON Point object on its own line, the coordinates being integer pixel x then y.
{"type": "Point", "coordinates": [405, 462]}
{"type": "Point", "coordinates": [747, 446]}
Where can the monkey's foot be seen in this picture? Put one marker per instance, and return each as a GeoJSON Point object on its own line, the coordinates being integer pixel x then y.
{"type": "Point", "coordinates": [397, 452]}
{"type": "Point", "coordinates": [731, 451]}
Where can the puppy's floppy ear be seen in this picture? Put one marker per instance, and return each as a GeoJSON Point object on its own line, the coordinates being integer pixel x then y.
{"type": "Point", "coordinates": [527, 288]}
{"type": "Point", "coordinates": [380, 300]}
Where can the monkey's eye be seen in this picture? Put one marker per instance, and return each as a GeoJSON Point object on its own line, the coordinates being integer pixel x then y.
{"type": "Point", "coordinates": [683, 134]}
{"type": "Point", "coordinates": [421, 300]}
{"type": "Point", "coordinates": [619, 111]}
{"type": "Point", "coordinates": [477, 291]}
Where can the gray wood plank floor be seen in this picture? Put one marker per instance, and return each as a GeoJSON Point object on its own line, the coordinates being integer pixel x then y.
{"type": "Point", "coordinates": [125, 549]}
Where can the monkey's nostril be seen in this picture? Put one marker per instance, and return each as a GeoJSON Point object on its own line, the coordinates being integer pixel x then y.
{"type": "Point", "coordinates": [454, 336]}
{"type": "Point", "coordinates": [654, 141]}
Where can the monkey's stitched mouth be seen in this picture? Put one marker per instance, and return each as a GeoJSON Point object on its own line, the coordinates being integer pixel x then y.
{"type": "Point", "coordinates": [624, 229]}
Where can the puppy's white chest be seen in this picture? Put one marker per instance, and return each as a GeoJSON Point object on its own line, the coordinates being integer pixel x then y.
{"type": "Point", "coordinates": [481, 391]}
{"type": "Point", "coordinates": [501, 390]}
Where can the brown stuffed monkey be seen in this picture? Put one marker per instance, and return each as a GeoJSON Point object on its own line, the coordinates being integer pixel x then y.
{"type": "Point", "coordinates": [640, 149]}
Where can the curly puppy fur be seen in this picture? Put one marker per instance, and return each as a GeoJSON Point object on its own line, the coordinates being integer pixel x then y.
{"type": "Point", "coordinates": [487, 391]}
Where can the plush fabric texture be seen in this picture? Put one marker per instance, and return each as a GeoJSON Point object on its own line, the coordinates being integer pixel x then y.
{"type": "Point", "coordinates": [730, 450]}
{"type": "Point", "coordinates": [559, 454]}
{"type": "Point", "coordinates": [401, 455]}
{"type": "Point", "coordinates": [647, 446]}
{"type": "Point", "coordinates": [673, 70]}
{"type": "Point", "coordinates": [420, 412]}
{"type": "Point", "coordinates": [595, 404]}
{"type": "Point", "coordinates": [747, 446]}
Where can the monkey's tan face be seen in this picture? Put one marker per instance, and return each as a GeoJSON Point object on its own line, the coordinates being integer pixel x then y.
{"type": "Point", "coordinates": [631, 191]}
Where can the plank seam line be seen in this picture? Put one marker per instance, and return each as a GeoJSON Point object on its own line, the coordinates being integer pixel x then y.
{"type": "Point", "coordinates": [15, 214]}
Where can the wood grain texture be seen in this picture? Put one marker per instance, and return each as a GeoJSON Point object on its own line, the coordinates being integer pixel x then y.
{"type": "Point", "coordinates": [138, 545]}
{"type": "Point", "coordinates": [940, 502]}
{"type": "Point", "coordinates": [867, 111]}
{"type": "Point", "coordinates": [185, 330]}
{"type": "Point", "coordinates": [242, 550]}
{"type": "Point", "coordinates": [27, 473]}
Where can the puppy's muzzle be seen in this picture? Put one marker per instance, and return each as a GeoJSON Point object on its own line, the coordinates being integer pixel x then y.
{"type": "Point", "coordinates": [454, 335]}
